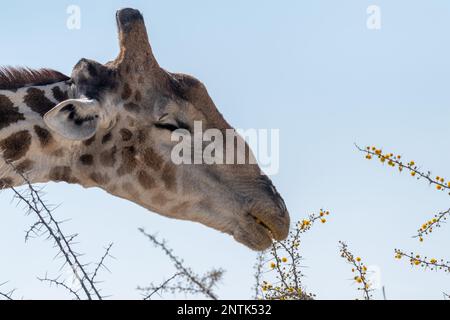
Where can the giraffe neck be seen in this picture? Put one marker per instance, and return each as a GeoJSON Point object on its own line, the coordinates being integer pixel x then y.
{"type": "Point", "coordinates": [26, 144]}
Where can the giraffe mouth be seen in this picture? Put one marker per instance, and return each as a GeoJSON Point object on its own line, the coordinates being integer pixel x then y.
{"type": "Point", "coordinates": [255, 233]}
{"type": "Point", "coordinates": [265, 226]}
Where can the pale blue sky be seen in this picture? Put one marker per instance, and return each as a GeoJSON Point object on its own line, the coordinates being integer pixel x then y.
{"type": "Point", "coordinates": [311, 69]}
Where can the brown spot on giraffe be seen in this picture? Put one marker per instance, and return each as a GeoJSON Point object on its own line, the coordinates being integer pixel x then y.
{"type": "Point", "coordinates": [152, 159]}
{"type": "Point", "coordinates": [44, 136]}
{"type": "Point", "coordinates": [8, 113]}
{"type": "Point", "coordinates": [89, 141]}
{"type": "Point", "coordinates": [37, 101]}
{"type": "Point", "coordinates": [25, 166]}
{"type": "Point", "coordinates": [129, 162]}
{"type": "Point", "coordinates": [62, 173]}
{"type": "Point", "coordinates": [16, 145]}
{"type": "Point", "coordinates": [126, 93]}
{"type": "Point", "coordinates": [59, 95]}
{"type": "Point", "coordinates": [138, 96]}
{"type": "Point", "coordinates": [126, 134]}
{"type": "Point", "coordinates": [131, 107]}
{"type": "Point", "coordinates": [145, 180]}
{"type": "Point", "coordinates": [87, 159]}
{"type": "Point", "coordinates": [6, 183]}
{"type": "Point", "coordinates": [107, 137]}
{"type": "Point", "coordinates": [108, 157]}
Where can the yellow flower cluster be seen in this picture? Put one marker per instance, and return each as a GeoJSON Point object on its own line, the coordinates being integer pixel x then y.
{"type": "Point", "coordinates": [359, 268]}
{"type": "Point", "coordinates": [428, 226]}
{"type": "Point", "coordinates": [389, 158]}
{"type": "Point", "coordinates": [284, 262]}
{"type": "Point", "coordinates": [417, 260]}
{"type": "Point", "coordinates": [281, 293]}
{"type": "Point", "coordinates": [306, 224]}
{"type": "Point", "coordinates": [272, 264]}
{"type": "Point", "coordinates": [395, 161]}
{"type": "Point", "coordinates": [322, 215]}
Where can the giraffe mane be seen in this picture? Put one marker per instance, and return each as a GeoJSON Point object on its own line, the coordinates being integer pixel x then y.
{"type": "Point", "coordinates": [17, 77]}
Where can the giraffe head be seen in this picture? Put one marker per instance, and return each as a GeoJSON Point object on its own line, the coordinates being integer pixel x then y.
{"type": "Point", "coordinates": [121, 116]}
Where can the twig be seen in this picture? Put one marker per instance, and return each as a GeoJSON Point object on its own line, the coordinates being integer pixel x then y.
{"type": "Point", "coordinates": [8, 295]}
{"type": "Point", "coordinates": [60, 284]}
{"type": "Point", "coordinates": [160, 287]}
{"type": "Point", "coordinates": [101, 264]}
{"type": "Point", "coordinates": [417, 260]}
{"type": "Point", "coordinates": [259, 265]}
{"type": "Point", "coordinates": [201, 285]}
{"type": "Point", "coordinates": [359, 268]}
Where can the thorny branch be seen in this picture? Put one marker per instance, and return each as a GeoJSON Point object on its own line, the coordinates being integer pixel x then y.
{"type": "Point", "coordinates": [59, 283]}
{"type": "Point", "coordinates": [436, 222]}
{"type": "Point", "coordinates": [394, 161]}
{"type": "Point", "coordinates": [439, 182]}
{"type": "Point", "coordinates": [259, 269]}
{"type": "Point", "coordinates": [6, 295]}
{"type": "Point", "coordinates": [359, 268]}
{"type": "Point", "coordinates": [285, 265]}
{"type": "Point", "coordinates": [47, 224]}
{"type": "Point", "coordinates": [189, 282]}
{"type": "Point", "coordinates": [424, 262]}
{"type": "Point", "coordinates": [163, 286]}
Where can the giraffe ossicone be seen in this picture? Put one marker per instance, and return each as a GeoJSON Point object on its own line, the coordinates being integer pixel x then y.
{"type": "Point", "coordinates": [110, 125]}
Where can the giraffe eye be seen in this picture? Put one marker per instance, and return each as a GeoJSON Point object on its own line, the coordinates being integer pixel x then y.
{"type": "Point", "coordinates": [172, 125]}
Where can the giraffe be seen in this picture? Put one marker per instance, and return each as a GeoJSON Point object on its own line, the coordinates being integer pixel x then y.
{"type": "Point", "coordinates": [109, 126]}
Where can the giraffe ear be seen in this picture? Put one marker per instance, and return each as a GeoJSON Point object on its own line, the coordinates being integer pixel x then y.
{"type": "Point", "coordinates": [75, 119]}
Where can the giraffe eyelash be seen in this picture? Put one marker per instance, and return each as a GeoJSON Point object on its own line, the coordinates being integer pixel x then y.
{"type": "Point", "coordinates": [172, 127]}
